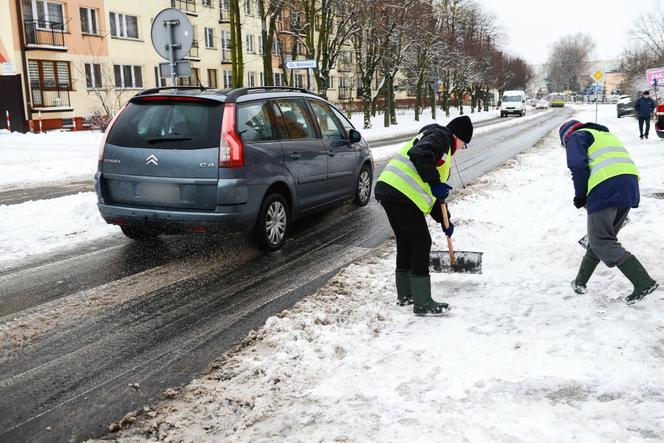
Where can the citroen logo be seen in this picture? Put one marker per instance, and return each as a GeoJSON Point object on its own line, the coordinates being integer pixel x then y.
{"type": "Point", "coordinates": [152, 160]}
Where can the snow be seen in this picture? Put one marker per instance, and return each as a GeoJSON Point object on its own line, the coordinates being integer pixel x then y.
{"type": "Point", "coordinates": [38, 159]}
{"type": "Point", "coordinates": [36, 227]}
{"type": "Point", "coordinates": [520, 357]}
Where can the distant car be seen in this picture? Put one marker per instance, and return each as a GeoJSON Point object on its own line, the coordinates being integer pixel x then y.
{"type": "Point", "coordinates": [625, 106]}
{"type": "Point", "coordinates": [542, 104]}
{"type": "Point", "coordinates": [247, 159]}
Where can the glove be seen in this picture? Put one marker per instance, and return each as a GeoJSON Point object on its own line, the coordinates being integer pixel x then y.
{"type": "Point", "coordinates": [449, 231]}
{"type": "Point", "coordinates": [441, 190]}
{"type": "Point", "coordinates": [580, 202]}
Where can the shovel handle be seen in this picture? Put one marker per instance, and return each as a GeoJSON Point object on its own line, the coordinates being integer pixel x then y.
{"type": "Point", "coordinates": [446, 223]}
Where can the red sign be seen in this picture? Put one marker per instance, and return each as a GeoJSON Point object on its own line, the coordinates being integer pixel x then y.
{"type": "Point", "coordinates": [655, 74]}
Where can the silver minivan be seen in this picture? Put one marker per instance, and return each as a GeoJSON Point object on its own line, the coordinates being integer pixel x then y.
{"type": "Point", "coordinates": [254, 160]}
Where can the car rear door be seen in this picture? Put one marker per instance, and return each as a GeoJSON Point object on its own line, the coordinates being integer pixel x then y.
{"type": "Point", "coordinates": [341, 155]}
{"type": "Point", "coordinates": [163, 152]}
{"type": "Point", "coordinates": [304, 155]}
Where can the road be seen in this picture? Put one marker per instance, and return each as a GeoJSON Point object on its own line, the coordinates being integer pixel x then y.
{"type": "Point", "coordinates": [90, 334]}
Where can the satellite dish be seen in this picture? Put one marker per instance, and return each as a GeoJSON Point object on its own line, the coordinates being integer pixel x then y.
{"type": "Point", "coordinates": [172, 28]}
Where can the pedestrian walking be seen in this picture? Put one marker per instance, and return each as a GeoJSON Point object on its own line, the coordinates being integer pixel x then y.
{"type": "Point", "coordinates": [412, 185]}
{"type": "Point", "coordinates": [644, 107]}
{"type": "Point", "coordinates": [606, 183]}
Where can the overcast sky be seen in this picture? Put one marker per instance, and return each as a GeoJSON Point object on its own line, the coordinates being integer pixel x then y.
{"type": "Point", "coordinates": [531, 26]}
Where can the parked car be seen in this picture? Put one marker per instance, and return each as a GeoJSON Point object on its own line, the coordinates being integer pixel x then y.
{"type": "Point", "coordinates": [625, 106]}
{"type": "Point", "coordinates": [542, 104]}
{"type": "Point", "coordinates": [513, 102]}
{"type": "Point", "coordinates": [249, 159]}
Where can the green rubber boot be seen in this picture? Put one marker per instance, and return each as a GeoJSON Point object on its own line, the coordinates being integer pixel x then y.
{"type": "Point", "coordinates": [586, 269]}
{"type": "Point", "coordinates": [404, 294]}
{"type": "Point", "coordinates": [423, 303]}
{"type": "Point", "coordinates": [636, 273]}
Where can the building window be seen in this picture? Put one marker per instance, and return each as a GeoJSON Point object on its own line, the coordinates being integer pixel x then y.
{"type": "Point", "coordinates": [93, 75]}
{"type": "Point", "coordinates": [251, 79]}
{"type": "Point", "coordinates": [299, 80]}
{"type": "Point", "coordinates": [159, 80]}
{"type": "Point", "coordinates": [228, 79]}
{"type": "Point", "coordinates": [48, 75]}
{"type": "Point", "coordinates": [209, 38]}
{"type": "Point", "coordinates": [128, 76]}
{"type": "Point", "coordinates": [262, 78]}
{"type": "Point", "coordinates": [278, 79]}
{"type": "Point", "coordinates": [330, 82]}
{"type": "Point", "coordinates": [123, 25]}
{"type": "Point", "coordinates": [249, 43]}
{"type": "Point", "coordinates": [212, 78]}
{"type": "Point", "coordinates": [226, 46]}
{"type": "Point", "coordinates": [50, 15]}
{"type": "Point", "coordinates": [89, 21]}
{"type": "Point", "coordinates": [207, 3]}
{"type": "Point", "coordinates": [260, 45]}
{"type": "Point", "coordinates": [191, 80]}
{"type": "Point", "coordinates": [275, 47]}
{"type": "Point", "coordinates": [247, 7]}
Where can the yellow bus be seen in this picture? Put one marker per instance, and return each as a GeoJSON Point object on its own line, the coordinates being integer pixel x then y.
{"type": "Point", "coordinates": [556, 100]}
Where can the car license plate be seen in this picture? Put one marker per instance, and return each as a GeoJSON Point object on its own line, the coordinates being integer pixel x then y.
{"type": "Point", "coordinates": [158, 192]}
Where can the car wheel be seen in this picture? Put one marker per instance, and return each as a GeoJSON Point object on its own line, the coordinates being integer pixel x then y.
{"type": "Point", "coordinates": [273, 222]}
{"type": "Point", "coordinates": [137, 233]}
{"type": "Point", "coordinates": [363, 188]}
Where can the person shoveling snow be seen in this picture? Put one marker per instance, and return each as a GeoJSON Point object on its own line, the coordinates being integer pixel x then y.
{"type": "Point", "coordinates": [409, 188]}
{"type": "Point", "coordinates": [606, 183]}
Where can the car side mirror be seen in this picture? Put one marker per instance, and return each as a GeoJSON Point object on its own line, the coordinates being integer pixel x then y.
{"type": "Point", "coordinates": [354, 136]}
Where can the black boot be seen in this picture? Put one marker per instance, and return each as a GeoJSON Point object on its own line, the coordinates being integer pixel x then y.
{"type": "Point", "coordinates": [586, 269]}
{"type": "Point", "coordinates": [636, 273]}
{"type": "Point", "coordinates": [404, 294]}
{"type": "Point", "coordinates": [424, 304]}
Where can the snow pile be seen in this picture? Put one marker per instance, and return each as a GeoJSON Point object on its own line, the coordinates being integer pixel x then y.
{"type": "Point", "coordinates": [519, 358]}
{"type": "Point", "coordinates": [40, 226]}
{"type": "Point", "coordinates": [28, 159]}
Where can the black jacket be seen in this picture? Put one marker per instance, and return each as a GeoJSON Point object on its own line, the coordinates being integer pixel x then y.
{"type": "Point", "coordinates": [425, 155]}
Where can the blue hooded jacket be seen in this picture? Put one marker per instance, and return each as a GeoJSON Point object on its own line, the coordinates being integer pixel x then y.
{"type": "Point", "coordinates": [644, 107]}
{"type": "Point", "coordinates": [621, 191]}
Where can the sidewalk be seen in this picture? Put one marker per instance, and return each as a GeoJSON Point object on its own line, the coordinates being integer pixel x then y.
{"type": "Point", "coordinates": [519, 358]}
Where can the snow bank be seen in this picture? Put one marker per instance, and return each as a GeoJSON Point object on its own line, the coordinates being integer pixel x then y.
{"type": "Point", "coordinates": [37, 159]}
{"type": "Point", "coordinates": [519, 358]}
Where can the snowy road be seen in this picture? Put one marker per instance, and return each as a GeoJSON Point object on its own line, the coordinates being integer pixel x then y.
{"type": "Point", "coordinates": [92, 333]}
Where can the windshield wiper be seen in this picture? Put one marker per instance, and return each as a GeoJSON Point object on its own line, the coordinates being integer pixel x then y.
{"type": "Point", "coordinates": [168, 139]}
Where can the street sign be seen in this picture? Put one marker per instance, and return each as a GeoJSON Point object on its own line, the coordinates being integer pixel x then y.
{"type": "Point", "coordinates": [182, 69]}
{"type": "Point", "coordinates": [655, 74]}
{"type": "Point", "coordinates": [597, 75]}
{"type": "Point", "coordinates": [172, 37]}
{"type": "Point", "coordinates": [301, 64]}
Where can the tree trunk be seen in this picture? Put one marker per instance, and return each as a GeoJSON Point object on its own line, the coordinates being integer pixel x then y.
{"type": "Point", "coordinates": [236, 44]}
{"type": "Point", "coordinates": [433, 100]}
{"type": "Point", "coordinates": [386, 103]}
{"type": "Point", "coordinates": [366, 102]}
{"type": "Point", "coordinates": [393, 110]}
{"type": "Point", "coordinates": [418, 95]}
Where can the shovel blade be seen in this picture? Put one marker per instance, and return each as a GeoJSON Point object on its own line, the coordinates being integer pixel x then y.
{"type": "Point", "coordinates": [467, 262]}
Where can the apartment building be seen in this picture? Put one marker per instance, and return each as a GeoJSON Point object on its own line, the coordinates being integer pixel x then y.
{"type": "Point", "coordinates": [71, 59]}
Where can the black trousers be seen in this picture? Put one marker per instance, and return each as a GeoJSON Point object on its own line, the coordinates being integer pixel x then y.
{"type": "Point", "coordinates": [647, 121]}
{"type": "Point", "coordinates": [412, 234]}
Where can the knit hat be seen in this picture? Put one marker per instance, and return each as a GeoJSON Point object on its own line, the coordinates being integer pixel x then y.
{"type": "Point", "coordinates": [567, 128]}
{"type": "Point", "coordinates": [646, 92]}
{"type": "Point", "coordinates": [462, 127]}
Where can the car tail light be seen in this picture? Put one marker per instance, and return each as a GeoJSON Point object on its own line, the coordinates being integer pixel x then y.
{"type": "Point", "coordinates": [231, 150]}
{"type": "Point", "coordinates": [199, 229]}
{"type": "Point", "coordinates": [102, 144]}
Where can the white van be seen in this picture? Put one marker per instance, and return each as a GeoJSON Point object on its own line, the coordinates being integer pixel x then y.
{"type": "Point", "coordinates": [513, 102]}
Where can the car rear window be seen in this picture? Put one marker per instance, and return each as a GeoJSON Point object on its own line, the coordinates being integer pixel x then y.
{"type": "Point", "coordinates": [168, 124]}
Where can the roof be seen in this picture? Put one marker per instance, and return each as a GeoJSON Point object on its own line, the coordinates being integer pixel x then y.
{"type": "Point", "coordinates": [226, 95]}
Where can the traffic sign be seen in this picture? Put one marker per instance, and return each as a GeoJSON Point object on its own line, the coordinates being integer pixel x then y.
{"type": "Point", "coordinates": [301, 64]}
{"type": "Point", "coordinates": [654, 76]}
{"type": "Point", "coordinates": [177, 37]}
{"type": "Point", "coordinates": [597, 75]}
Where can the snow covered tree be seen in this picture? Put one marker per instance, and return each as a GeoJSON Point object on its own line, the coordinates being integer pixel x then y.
{"type": "Point", "coordinates": [568, 62]}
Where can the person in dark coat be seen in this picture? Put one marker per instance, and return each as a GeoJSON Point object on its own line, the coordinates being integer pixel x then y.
{"type": "Point", "coordinates": [644, 107]}
{"type": "Point", "coordinates": [412, 185]}
{"type": "Point", "coordinates": [606, 184]}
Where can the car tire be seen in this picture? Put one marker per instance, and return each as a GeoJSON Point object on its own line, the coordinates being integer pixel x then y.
{"type": "Point", "coordinates": [502, 115]}
{"type": "Point", "coordinates": [363, 188]}
{"type": "Point", "coordinates": [138, 233]}
{"type": "Point", "coordinates": [273, 222]}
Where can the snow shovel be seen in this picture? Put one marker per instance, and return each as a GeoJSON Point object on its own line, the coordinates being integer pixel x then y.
{"type": "Point", "coordinates": [454, 261]}
{"type": "Point", "coordinates": [584, 240]}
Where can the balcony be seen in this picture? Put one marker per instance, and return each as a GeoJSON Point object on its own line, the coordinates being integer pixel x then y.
{"type": "Point", "coordinates": [50, 100]}
{"type": "Point", "coordinates": [193, 52]}
{"type": "Point", "coordinates": [41, 34]}
{"type": "Point", "coordinates": [187, 6]}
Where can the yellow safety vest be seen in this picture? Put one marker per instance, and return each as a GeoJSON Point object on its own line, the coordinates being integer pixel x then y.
{"type": "Point", "coordinates": [400, 173]}
{"type": "Point", "coordinates": [607, 158]}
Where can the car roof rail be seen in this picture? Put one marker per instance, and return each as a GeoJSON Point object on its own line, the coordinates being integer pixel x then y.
{"type": "Point", "coordinates": [233, 94]}
{"type": "Point", "coordinates": [176, 88]}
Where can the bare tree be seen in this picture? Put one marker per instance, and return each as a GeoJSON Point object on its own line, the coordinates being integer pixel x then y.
{"type": "Point", "coordinates": [269, 12]}
{"type": "Point", "coordinates": [645, 48]}
{"type": "Point", "coordinates": [569, 61]}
